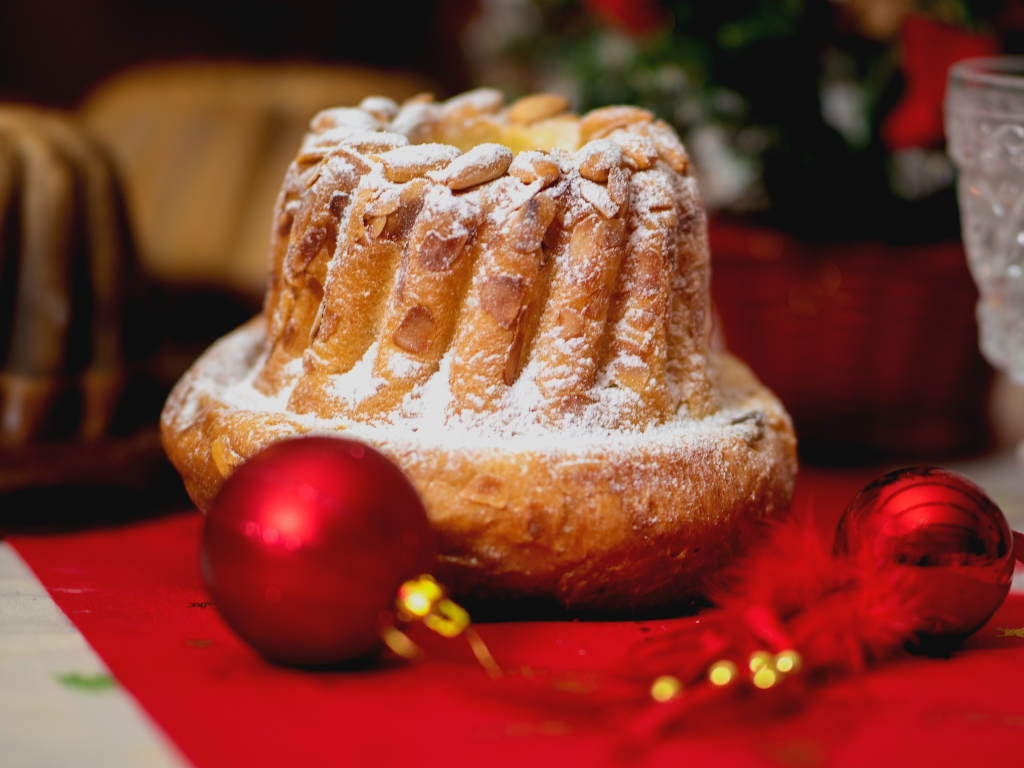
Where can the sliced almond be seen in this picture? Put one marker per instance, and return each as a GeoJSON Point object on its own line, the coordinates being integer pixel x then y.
{"type": "Point", "coordinates": [515, 350]}
{"type": "Point", "coordinates": [437, 252]}
{"type": "Point", "coordinates": [411, 162]}
{"type": "Point", "coordinates": [376, 143]}
{"type": "Point", "coordinates": [375, 225]}
{"type": "Point", "coordinates": [597, 158]}
{"type": "Point", "coordinates": [344, 117]}
{"type": "Point", "coordinates": [528, 167]}
{"type": "Point", "coordinates": [601, 122]}
{"type": "Point", "coordinates": [284, 222]}
{"type": "Point", "coordinates": [400, 223]}
{"type": "Point", "coordinates": [502, 297]}
{"type": "Point", "coordinates": [416, 331]}
{"type": "Point", "coordinates": [618, 186]}
{"type": "Point", "coordinates": [530, 223]}
{"type": "Point", "coordinates": [570, 323]}
{"type": "Point", "coordinates": [598, 196]}
{"type": "Point", "coordinates": [539, 106]}
{"type": "Point", "coordinates": [381, 107]}
{"type": "Point", "coordinates": [388, 201]}
{"type": "Point", "coordinates": [482, 101]}
{"type": "Point", "coordinates": [306, 248]}
{"type": "Point", "coordinates": [416, 119]}
{"type": "Point", "coordinates": [637, 149]}
{"type": "Point", "coordinates": [481, 164]}
{"type": "Point", "coordinates": [670, 149]}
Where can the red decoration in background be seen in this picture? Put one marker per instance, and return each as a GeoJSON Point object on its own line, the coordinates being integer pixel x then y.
{"type": "Point", "coordinates": [636, 16]}
{"type": "Point", "coordinates": [929, 49]}
{"type": "Point", "coordinates": [950, 540]}
{"type": "Point", "coordinates": [868, 345]}
{"type": "Point", "coordinates": [308, 542]}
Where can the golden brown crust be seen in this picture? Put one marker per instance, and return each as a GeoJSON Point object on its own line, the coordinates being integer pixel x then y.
{"type": "Point", "coordinates": [629, 523]}
{"type": "Point", "coordinates": [527, 335]}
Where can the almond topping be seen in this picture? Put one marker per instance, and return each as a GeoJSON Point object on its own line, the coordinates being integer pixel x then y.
{"type": "Point", "coordinates": [416, 331]}
{"type": "Point", "coordinates": [539, 106]}
{"type": "Point", "coordinates": [597, 159]}
{"type": "Point", "coordinates": [598, 196]}
{"type": "Point", "coordinates": [670, 149]}
{"type": "Point", "coordinates": [307, 247]}
{"type": "Point", "coordinates": [618, 186]}
{"type": "Point", "coordinates": [482, 101]}
{"type": "Point", "coordinates": [530, 223]}
{"type": "Point", "coordinates": [387, 203]}
{"type": "Point", "coordinates": [571, 323]}
{"type": "Point", "coordinates": [408, 163]}
{"type": "Point", "coordinates": [381, 107]}
{"type": "Point", "coordinates": [437, 252]}
{"type": "Point", "coordinates": [481, 164]}
{"type": "Point", "coordinates": [344, 117]}
{"type": "Point", "coordinates": [375, 225]}
{"type": "Point", "coordinates": [637, 149]}
{"type": "Point", "coordinates": [502, 297]}
{"type": "Point", "coordinates": [515, 350]}
{"type": "Point", "coordinates": [601, 122]}
{"type": "Point", "coordinates": [530, 166]}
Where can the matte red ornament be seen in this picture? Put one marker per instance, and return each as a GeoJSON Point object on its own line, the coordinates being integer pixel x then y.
{"type": "Point", "coordinates": [951, 540]}
{"type": "Point", "coordinates": [307, 544]}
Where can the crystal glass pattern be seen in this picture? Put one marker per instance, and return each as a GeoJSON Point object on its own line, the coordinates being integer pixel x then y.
{"type": "Point", "coordinates": [985, 131]}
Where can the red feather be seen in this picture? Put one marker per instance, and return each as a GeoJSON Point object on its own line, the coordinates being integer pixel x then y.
{"type": "Point", "coordinates": [840, 614]}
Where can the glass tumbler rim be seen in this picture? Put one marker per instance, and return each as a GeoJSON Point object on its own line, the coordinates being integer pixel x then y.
{"type": "Point", "coordinates": [992, 71]}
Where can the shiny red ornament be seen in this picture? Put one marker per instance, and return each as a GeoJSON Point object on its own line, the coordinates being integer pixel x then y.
{"type": "Point", "coordinates": [951, 536]}
{"type": "Point", "coordinates": [307, 544]}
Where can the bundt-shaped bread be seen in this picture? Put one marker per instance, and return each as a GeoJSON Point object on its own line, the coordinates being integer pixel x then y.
{"type": "Point", "coordinates": [65, 257]}
{"type": "Point", "coordinates": [513, 303]}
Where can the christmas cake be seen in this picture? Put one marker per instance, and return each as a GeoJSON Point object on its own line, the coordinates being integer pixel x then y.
{"type": "Point", "coordinates": [512, 302]}
{"type": "Point", "coordinates": [65, 265]}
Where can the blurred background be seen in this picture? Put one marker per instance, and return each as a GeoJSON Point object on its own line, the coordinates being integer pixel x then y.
{"type": "Point", "coordinates": [815, 127]}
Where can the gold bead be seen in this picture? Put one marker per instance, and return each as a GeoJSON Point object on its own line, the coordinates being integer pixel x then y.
{"type": "Point", "coordinates": [765, 677]}
{"type": "Point", "coordinates": [759, 660]}
{"type": "Point", "coordinates": [418, 596]}
{"type": "Point", "coordinates": [789, 662]}
{"type": "Point", "coordinates": [721, 673]}
{"type": "Point", "coordinates": [666, 688]}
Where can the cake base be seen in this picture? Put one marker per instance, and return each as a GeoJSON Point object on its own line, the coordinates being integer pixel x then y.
{"type": "Point", "coordinates": [626, 520]}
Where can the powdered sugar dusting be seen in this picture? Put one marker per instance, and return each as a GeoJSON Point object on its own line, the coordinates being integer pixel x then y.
{"type": "Point", "coordinates": [359, 382]}
{"type": "Point", "coordinates": [572, 394]}
{"type": "Point", "coordinates": [427, 416]}
{"type": "Point", "coordinates": [411, 158]}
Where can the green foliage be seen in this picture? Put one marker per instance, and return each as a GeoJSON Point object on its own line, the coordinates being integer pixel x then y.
{"type": "Point", "coordinates": [92, 683]}
{"type": "Point", "coordinates": [795, 91]}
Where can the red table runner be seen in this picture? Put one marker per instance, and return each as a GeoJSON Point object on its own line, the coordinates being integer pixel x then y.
{"type": "Point", "coordinates": [136, 594]}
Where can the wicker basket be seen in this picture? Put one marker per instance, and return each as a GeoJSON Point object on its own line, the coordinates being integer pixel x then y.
{"type": "Point", "coordinates": [873, 348]}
